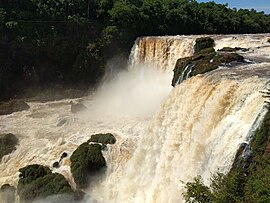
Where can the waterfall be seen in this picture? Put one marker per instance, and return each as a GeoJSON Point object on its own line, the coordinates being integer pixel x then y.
{"type": "Point", "coordinates": [165, 136]}
{"type": "Point", "coordinates": [185, 74]}
{"type": "Point", "coordinates": [197, 131]}
{"type": "Point", "coordinates": [161, 52]}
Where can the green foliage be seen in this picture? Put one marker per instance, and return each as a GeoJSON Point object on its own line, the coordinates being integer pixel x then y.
{"type": "Point", "coordinates": [203, 43]}
{"type": "Point", "coordinates": [86, 161]}
{"type": "Point", "coordinates": [44, 43]}
{"type": "Point", "coordinates": [37, 181]}
{"type": "Point", "coordinates": [197, 192]}
{"type": "Point", "coordinates": [8, 144]}
{"type": "Point", "coordinates": [107, 138]}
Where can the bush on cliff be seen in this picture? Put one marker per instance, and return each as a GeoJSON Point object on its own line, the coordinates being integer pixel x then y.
{"type": "Point", "coordinates": [203, 43]}
{"type": "Point", "coordinates": [37, 181]}
{"type": "Point", "coordinates": [107, 138]}
{"type": "Point", "coordinates": [7, 144]}
{"type": "Point", "coordinates": [86, 161]}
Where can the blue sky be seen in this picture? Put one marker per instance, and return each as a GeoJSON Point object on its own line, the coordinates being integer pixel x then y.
{"type": "Point", "coordinates": [259, 5]}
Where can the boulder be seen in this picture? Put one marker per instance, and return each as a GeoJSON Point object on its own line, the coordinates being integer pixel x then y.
{"type": "Point", "coordinates": [77, 107]}
{"type": "Point", "coordinates": [13, 106]}
{"type": "Point", "coordinates": [8, 144]}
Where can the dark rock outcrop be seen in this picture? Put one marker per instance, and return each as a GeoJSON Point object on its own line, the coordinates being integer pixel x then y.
{"type": "Point", "coordinates": [230, 49]}
{"type": "Point", "coordinates": [204, 60]}
{"type": "Point", "coordinates": [12, 106]}
{"type": "Point", "coordinates": [8, 144]}
{"type": "Point", "coordinates": [77, 107]}
{"type": "Point", "coordinates": [56, 164]}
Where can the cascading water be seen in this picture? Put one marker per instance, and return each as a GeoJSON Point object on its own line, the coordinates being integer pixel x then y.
{"type": "Point", "coordinates": [196, 131]}
{"type": "Point", "coordinates": [185, 74]}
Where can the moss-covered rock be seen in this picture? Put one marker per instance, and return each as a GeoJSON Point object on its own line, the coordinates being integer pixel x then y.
{"type": "Point", "coordinates": [86, 161]}
{"type": "Point", "coordinates": [202, 63]}
{"type": "Point", "coordinates": [12, 106]}
{"type": "Point", "coordinates": [107, 138]}
{"type": "Point", "coordinates": [203, 43]}
{"type": "Point", "coordinates": [7, 193]}
{"type": "Point", "coordinates": [37, 181]}
{"type": "Point", "coordinates": [230, 49]}
{"type": "Point", "coordinates": [8, 144]}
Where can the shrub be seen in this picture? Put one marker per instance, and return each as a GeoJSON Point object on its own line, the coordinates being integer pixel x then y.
{"type": "Point", "coordinates": [203, 43]}
{"type": "Point", "coordinates": [107, 138]}
{"type": "Point", "coordinates": [86, 161]}
{"type": "Point", "coordinates": [7, 144]}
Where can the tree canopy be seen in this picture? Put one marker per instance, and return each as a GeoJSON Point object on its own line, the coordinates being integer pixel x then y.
{"type": "Point", "coordinates": [67, 42]}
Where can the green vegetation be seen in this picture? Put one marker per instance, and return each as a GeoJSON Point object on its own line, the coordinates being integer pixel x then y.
{"type": "Point", "coordinates": [107, 138]}
{"type": "Point", "coordinates": [56, 44]}
{"type": "Point", "coordinates": [12, 106]}
{"type": "Point", "coordinates": [204, 60]}
{"type": "Point", "coordinates": [37, 181]}
{"type": "Point", "coordinates": [86, 161]}
{"type": "Point", "coordinates": [248, 181]}
{"type": "Point", "coordinates": [8, 144]}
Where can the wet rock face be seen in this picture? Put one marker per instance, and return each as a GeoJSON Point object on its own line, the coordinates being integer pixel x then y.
{"type": "Point", "coordinates": [12, 106]}
{"type": "Point", "coordinates": [230, 49]}
{"type": "Point", "coordinates": [204, 60]}
{"type": "Point", "coordinates": [77, 107]}
{"type": "Point", "coordinates": [8, 144]}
